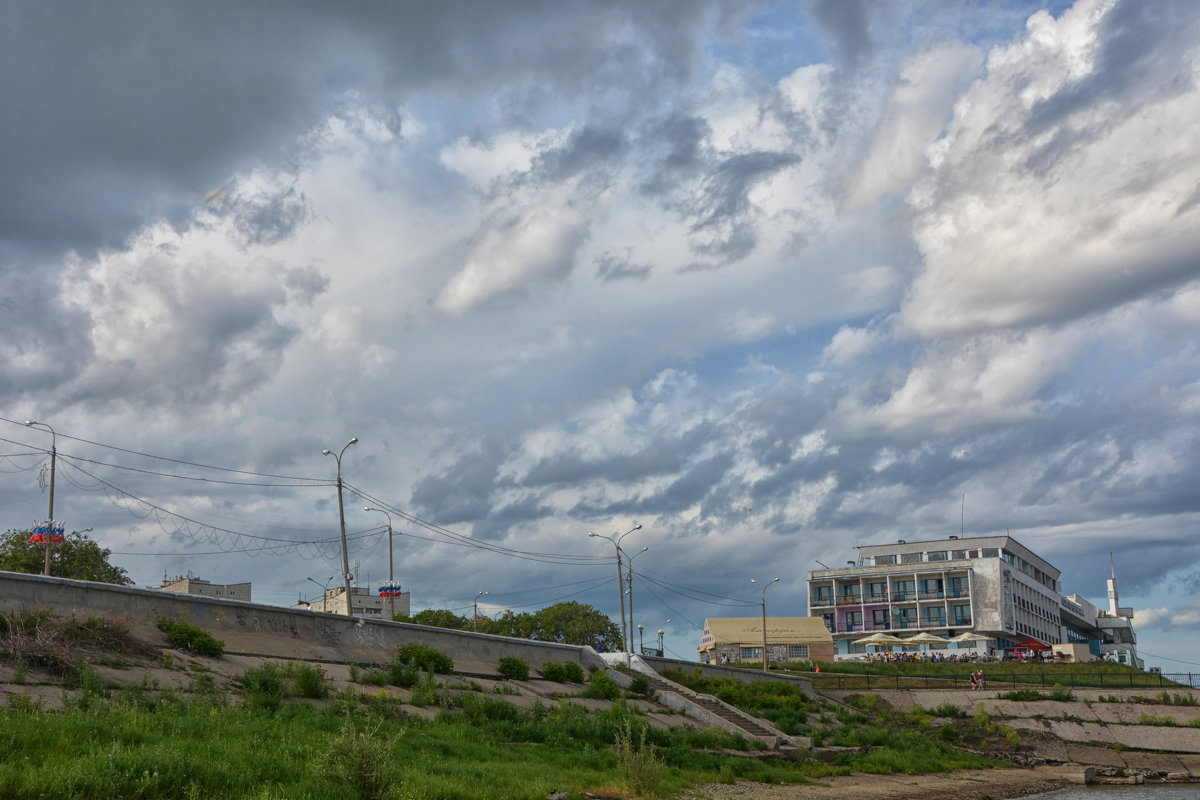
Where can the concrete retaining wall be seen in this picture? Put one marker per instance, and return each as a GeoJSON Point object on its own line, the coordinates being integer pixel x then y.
{"type": "Point", "coordinates": [273, 631]}
{"type": "Point", "coordinates": [737, 673]}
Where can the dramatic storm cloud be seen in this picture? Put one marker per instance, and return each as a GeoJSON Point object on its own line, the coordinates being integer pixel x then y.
{"type": "Point", "coordinates": [771, 280]}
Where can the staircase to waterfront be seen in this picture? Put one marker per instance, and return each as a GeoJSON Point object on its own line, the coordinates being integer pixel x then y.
{"type": "Point", "coordinates": [709, 709]}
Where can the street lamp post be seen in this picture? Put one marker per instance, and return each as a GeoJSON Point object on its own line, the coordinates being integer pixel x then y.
{"type": "Point", "coordinates": [765, 586]}
{"type": "Point", "coordinates": [29, 423]}
{"type": "Point", "coordinates": [629, 588]}
{"type": "Point", "coordinates": [391, 576]}
{"type": "Point", "coordinates": [342, 521]}
{"type": "Point", "coordinates": [324, 592]}
{"type": "Point", "coordinates": [641, 639]}
{"type": "Point", "coordinates": [616, 542]}
{"type": "Point", "coordinates": [475, 613]}
{"type": "Point", "coordinates": [662, 633]}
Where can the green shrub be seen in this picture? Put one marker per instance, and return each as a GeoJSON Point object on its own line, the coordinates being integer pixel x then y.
{"type": "Point", "coordinates": [264, 687]}
{"type": "Point", "coordinates": [401, 674]}
{"type": "Point", "coordinates": [641, 769]}
{"type": "Point", "coordinates": [563, 673]}
{"type": "Point", "coordinates": [640, 685]}
{"type": "Point", "coordinates": [948, 734]}
{"type": "Point", "coordinates": [188, 637]}
{"type": "Point", "coordinates": [573, 672]}
{"type": "Point", "coordinates": [359, 760]}
{"type": "Point", "coordinates": [948, 710]}
{"type": "Point", "coordinates": [1061, 694]}
{"type": "Point", "coordinates": [309, 680]}
{"type": "Point", "coordinates": [1022, 695]}
{"type": "Point", "coordinates": [602, 687]}
{"type": "Point", "coordinates": [515, 669]}
{"type": "Point", "coordinates": [425, 659]}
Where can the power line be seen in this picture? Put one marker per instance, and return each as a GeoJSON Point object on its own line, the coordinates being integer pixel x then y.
{"type": "Point", "coordinates": [164, 458]}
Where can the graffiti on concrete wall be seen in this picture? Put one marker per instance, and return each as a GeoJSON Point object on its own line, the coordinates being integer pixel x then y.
{"type": "Point", "coordinates": [327, 631]}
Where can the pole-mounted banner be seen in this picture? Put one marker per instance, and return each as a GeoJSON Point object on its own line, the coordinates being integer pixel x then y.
{"type": "Point", "coordinates": [48, 530]}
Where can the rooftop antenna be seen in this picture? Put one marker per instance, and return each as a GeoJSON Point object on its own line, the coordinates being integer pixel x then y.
{"type": "Point", "coordinates": [822, 563]}
{"type": "Point", "coordinates": [962, 524]}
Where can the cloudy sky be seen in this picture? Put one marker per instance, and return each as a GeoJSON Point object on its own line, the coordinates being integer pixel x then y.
{"type": "Point", "coordinates": [770, 279]}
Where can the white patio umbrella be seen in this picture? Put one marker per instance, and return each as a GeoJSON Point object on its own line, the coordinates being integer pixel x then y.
{"type": "Point", "coordinates": [877, 639]}
{"type": "Point", "coordinates": [925, 638]}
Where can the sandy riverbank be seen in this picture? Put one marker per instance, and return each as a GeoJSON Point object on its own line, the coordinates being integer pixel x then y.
{"type": "Point", "coordinates": [983, 784]}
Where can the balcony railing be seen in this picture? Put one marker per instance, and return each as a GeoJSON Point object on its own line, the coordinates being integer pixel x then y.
{"type": "Point", "coordinates": [819, 600]}
{"type": "Point", "coordinates": [849, 600]}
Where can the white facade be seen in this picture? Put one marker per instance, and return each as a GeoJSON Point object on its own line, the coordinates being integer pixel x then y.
{"type": "Point", "coordinates": [364, 603]}
{"type": "Point", "coordinates": [992, 585]}
{"type": "Point", "coordinates": [192, 585]}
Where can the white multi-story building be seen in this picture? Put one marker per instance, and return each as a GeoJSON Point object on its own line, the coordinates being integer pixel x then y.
{"type": "Point", "coordinates": [190, 584]}
{"type": "Point", "coordinates": [992, 586]}
{"type": "Point", "coordinates": [364, 603]}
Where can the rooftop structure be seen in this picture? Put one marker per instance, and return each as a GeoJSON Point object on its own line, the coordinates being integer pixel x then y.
{"type": "Point", "coordinates": [190, 584]}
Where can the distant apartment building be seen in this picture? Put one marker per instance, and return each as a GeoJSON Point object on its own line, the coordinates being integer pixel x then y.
{"type": "Point", "coordinates": [364, 603]}
{"type": "Point", "coordinates": [190, 584]}
{"type": "Point", "coordinates": [991, 586]}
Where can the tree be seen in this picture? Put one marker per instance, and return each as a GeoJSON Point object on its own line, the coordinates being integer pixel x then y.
{"type": "Point", "coordinates": [438, 618]}
{"type": "Point", "coordinates": [567, 623]}
{"type": "Point", "coordinates": [76, 557]}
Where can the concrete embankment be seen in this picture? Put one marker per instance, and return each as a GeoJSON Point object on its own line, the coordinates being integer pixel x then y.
{"type": "Point", "coordinates": [255, 629]}
{"type": "Point", "coordinates": [1130, 735]}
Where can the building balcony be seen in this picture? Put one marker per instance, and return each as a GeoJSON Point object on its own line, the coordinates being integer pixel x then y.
{"type": "Point", "coordinates": [849, 600]}
{"type": "Point", "coordinates": [818, 602]}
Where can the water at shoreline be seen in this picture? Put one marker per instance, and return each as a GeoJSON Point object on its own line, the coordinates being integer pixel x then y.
{"type": "Point", "coordinates": [1188, 791]}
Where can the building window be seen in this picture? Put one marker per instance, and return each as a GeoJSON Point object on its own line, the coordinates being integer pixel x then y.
{"type": "Point", "coordinates": [752, 653]}
{"type": "Point", "coordinates": [877, 591]}
{"type": "Point", "coordinates": [935, 616]}
{"type": "Point", "coordinates": [910, 558]}
{"type": "Point", "coordinates": [958, 587]}
{"type": "Point", "coordinates": [854, 621]}
{"type": "Point", "coordinates": [797, 651]}
{"type": "Point", "coordinates": [935, 555]}
{"type": "Point", "coordinates": [906, 617]}
{"type": "Point", "coordinates": [883, 561]}
{"type": "Point", "coordinates": [829, 624]}
{"type": "Point", "coordinates": [880, 618]}
{"type": "Point", "coordinates": [931, 587]}
{"type": "Point", "coordinates": [902, 590]}
{"type": "Point", "coordinates": [961, 614]}
{"type": "Point", "coordinates": [959, 555]}
{"type": "Point", "coordinates": [989, 552]}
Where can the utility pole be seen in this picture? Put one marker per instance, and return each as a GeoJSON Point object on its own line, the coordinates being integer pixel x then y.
{"type": "Point", "coordinates": [342, 521]}
{"type": "Point", "coordinates": [29, 423]}
{"type": "Point", "coordinates": [626, 641]}
{"type": "Point", "coordinates": [765, 586]}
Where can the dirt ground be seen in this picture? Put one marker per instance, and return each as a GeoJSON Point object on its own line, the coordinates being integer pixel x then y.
{"type": "Point", "coordinates": [993, 784]}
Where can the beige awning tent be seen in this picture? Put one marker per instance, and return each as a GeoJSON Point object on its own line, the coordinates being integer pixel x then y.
{"type": "Point", "coordinates": [970, 637]}
{"type": "Point", "coordinates": [748, 632]}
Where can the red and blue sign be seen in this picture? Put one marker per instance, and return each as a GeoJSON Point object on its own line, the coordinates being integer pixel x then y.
{"type": "Point", "coordinates": [47, 531]}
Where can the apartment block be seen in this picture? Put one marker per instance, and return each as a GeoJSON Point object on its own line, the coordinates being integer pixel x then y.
{"type": "Point", "coordinates": [190, 584]}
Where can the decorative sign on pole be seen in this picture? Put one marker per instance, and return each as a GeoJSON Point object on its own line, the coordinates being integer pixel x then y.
{"type": "Point", "coordinates": [47, 530]}
{"type": "Point", "coordinates": [389, 589]}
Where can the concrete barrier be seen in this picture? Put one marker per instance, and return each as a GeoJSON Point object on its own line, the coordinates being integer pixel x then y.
{"type": "Point", "coordinates": [273, 631]}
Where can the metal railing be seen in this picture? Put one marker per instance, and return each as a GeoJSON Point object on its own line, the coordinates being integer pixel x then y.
{"type": "Point", "coordinates": [996, 678]}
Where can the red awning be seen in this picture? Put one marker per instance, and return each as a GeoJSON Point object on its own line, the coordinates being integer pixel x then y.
{"type": "Point", "coordinates": [1030, 643]}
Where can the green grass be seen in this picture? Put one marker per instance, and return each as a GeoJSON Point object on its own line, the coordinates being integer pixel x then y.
{"type": "Point", "coordinates": [350, 748]}
{"type": "Point", "coordinates": [868, 675]}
